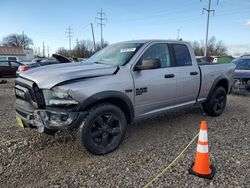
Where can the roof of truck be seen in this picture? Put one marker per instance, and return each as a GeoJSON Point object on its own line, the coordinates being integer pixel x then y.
{"type": "Point", "coordinates": [156, 40]}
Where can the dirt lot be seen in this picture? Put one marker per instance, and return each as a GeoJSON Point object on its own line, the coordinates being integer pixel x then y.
{"type": "Point", "coordinates": [31, 159]}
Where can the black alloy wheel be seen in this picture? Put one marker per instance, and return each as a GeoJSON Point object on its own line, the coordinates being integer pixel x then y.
{"type": "Point", "coordinates": [216, 103]}
{"type": "Point", "coordinates": [219, 101]}
{"type": "Point", "coordinates": [104, 128]}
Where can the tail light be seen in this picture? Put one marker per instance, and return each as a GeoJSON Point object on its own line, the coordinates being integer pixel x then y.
{"type": "Point", "coordinates": [23, 68]}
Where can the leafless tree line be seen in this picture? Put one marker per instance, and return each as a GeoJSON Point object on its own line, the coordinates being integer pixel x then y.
{"type": "Point", "coordinates": [86, 48]}
{"type": "Point", "coordinates": [214, 48]}
{"type": "Point", "coordinates": [82, 49]}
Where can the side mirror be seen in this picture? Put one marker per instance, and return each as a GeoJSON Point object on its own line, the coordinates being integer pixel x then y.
{"type": "Point", "coordinates": [148, 64]}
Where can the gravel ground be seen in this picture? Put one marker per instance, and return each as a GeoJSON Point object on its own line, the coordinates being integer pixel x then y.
{"type": "Point", "coordinates": [30, 159]}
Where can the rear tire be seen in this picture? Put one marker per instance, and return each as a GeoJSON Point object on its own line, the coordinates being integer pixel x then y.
{"type": "Point", "coordinates": [103, 130]}
{"type": "Point", "coordinates": [216, 103]}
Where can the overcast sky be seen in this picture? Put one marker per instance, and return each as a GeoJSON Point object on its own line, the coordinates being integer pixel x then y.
{"type": "Point", "coordinates": [47, 20]}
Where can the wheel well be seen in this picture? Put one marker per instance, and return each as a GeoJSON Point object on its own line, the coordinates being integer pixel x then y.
{"type": "Point", "coordinates": [223, 83]}
{"type": "Point", "coordinates": [119, 103]}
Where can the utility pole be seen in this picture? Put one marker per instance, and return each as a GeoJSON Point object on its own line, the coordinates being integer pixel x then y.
{"type": "Point", "coordinates": [78, 48]}
{"type": "Point", "coordinates": [93, 35]}
{"type": "Point", "coordinates": [178, 34]}
{"type": "Point", "coordinates": [43, 50]}
{"type": "Point", "coordinates": [35, 50]}
{"type": "Point", "coordinates": [23, 41]}
{"type": "Point", "coordinates": [100, 17]}
{"type": "Point", "coordinates": [38, 51]}
{"type": "Point", "coordinates": [69, 35]}
{"type": "Point", "coordinates": [209, 10]}
{"type": "Point", "coordinates": [48, 51]}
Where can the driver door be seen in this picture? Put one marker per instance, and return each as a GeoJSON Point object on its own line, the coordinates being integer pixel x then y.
{"type": "Point", "coordinates": [155, 89]}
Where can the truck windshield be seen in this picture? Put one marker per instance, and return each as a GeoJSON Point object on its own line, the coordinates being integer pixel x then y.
{"type": "Point", "coordinates": [116, 54]}
{"type": "Point", "coordinates": [242, 64]}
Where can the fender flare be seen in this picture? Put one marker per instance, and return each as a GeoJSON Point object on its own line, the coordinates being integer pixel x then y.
{"type": "Point", "coordinates": [215, 83]}
{"type": "Point", "coordinates": [106, 95]}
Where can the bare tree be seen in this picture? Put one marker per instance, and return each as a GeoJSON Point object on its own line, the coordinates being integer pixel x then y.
{"type": "Point", "coordinates": [214, 48]}
{"type": "Point", "coordinates": [198, 49]}
{"type": "Point", "coordinates": [63, 51]}
{"type": "Point", "coordinates": [16, 40]}
{"type": "Point", "coordinates": [83, 49]}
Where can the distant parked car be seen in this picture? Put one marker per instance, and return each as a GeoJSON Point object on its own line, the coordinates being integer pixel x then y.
{"type": "Point", "coordinates": [8, 68]}
{"type": "Point", "coordinates": [242, 73]}
{"type": "Point", "coordinates": [204, 60]}
{"type": "Point", "coordinates": [57, 59]}
{"type": "Point", "coordinates": [223, 59]}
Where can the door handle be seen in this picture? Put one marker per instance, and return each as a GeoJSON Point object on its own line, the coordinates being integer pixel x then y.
{"type": "Point", "coordinates": [193, 73]}
{"type": "Point", "coordinates": [169, 76]}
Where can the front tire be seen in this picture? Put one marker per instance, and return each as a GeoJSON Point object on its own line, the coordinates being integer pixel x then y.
{"type": "Point", "coordinates": [103, 130]}
{"type": "Point", "coordinates": [216, 103]}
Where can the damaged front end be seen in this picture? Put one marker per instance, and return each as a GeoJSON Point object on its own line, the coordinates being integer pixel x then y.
{"type": "Point", "coordinates": [45, 110]}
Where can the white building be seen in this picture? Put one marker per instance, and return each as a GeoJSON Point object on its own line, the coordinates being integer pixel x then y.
{"type": "Point", "coordinates": [15, 54]}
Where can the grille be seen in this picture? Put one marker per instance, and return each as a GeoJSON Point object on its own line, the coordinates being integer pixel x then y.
{"type": "Point", "coordinates": [23, 114]}
{"type": "Point", "coordinates": [32, 93]}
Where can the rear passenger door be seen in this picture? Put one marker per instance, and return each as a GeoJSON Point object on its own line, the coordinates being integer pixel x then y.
{"type": "Point", "coordinates": [187, 75]}
{"type": "Point", "coordinates": [155, 89]}
{"type": "Point", "coordinates": [14, 67]}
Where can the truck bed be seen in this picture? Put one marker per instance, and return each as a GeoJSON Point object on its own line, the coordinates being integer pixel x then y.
{"type": "Point", "coordinates": [210, 73]}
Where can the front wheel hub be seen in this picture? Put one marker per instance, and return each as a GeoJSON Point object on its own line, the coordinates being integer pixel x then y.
{"type": "Point", "coordinates": [105, 129]}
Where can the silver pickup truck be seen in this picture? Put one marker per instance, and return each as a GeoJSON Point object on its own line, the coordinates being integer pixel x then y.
{"type": "Point", "coordinates": [122, 83]}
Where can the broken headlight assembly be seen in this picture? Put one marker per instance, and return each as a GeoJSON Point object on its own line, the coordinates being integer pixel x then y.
{"type": "Point", "coordinates": [58, 97]}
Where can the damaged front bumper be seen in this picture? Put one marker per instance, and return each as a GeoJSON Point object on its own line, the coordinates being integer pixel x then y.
{"type": "Point", "coordinates": [44, 120]}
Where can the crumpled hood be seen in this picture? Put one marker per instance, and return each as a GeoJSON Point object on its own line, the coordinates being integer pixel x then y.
{"type": "Point", "coordinates": [47, 77]}
{"type": "Point", "coordinates": [238, 73]}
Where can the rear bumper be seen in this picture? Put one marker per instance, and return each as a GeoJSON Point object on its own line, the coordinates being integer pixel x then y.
{"type": "Point", "coordinates": [42, 119]}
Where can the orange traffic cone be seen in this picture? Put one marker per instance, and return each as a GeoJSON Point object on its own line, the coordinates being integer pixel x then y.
{"type": "Point", "coordinates": [201, 167]}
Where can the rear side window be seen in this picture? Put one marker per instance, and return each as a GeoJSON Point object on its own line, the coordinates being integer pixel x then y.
{"type": "Point", "coordinates": [4, 64]}
{"type": "Point", "coordinates": [12, 58]}
{"type": "Point", "coordinates": [182, 55]}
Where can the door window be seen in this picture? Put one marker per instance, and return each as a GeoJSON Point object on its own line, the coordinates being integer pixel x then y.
{"type": "Point", "coordinates": [4, 64]}
{"type": "Point", "coordinates": [12, 58]}
{"type": "Point", "coordinates": [14, 64]}
{"type": "Point", "coordinates": [158, 51]}
{"type": "Point", "coordinates": [182, 55]}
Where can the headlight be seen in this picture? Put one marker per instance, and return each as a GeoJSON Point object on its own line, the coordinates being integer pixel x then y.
{"type": "Point", "coordinates": [57, 97]}
{"type": "Point", "coordinates": [60, 94]}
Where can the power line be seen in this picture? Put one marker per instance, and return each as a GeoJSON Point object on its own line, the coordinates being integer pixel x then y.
{"type": "Point", "coordinates": [100, 17]}
{"type": "Point", "coordinates": [170, 11]}
{"type": "Point", "coordinates": [69, 35]}
{"type": "Point", "coordinates": [209, 10]}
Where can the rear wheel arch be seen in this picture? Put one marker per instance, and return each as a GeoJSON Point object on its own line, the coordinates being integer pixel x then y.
{"type": "Point", "coordinates": [223, 83]}
{"type": "Point", "coordinates": [219, 82]}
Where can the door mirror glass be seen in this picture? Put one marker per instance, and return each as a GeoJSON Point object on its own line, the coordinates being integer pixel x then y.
{"type": "Point", "coordinates": [148, 64]}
